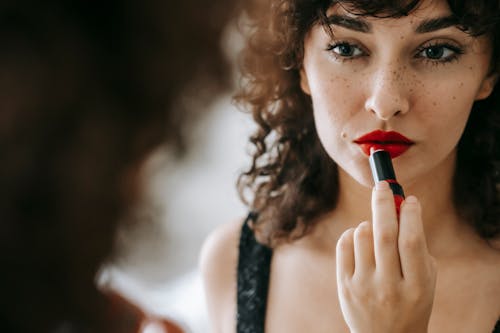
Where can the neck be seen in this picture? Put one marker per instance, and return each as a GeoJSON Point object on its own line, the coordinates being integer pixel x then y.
{"type": "Point", "coordinates": [441, 222]}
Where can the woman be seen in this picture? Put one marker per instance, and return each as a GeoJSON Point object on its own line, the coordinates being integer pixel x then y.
{"type": "Point", "coordinates": [324, 252]}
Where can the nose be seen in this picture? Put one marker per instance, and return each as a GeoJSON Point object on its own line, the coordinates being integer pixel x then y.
{"type": "Point", "coordinates": [388, 96]}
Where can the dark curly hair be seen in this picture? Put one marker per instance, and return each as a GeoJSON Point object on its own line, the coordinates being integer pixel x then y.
{"type": "Point", "coordinates": [88, 89]}
{"type": "Point", "coordinates": [292, 180]}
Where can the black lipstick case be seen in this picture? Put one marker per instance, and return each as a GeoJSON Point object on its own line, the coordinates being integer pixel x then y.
{"type": "Point", "coordinates": [382, 170]}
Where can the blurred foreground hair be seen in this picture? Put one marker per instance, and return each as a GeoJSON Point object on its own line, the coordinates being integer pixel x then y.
{"type": "Point", "coordinates": [88, 89]}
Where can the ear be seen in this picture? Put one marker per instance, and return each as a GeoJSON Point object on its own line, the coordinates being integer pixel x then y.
{"type": "Point", "coordinates": [487, 86]}
{"type": "Point", "coordinates": [304, 82]}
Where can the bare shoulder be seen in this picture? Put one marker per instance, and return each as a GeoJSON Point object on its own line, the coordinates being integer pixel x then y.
{"type": "Point", "coordinates": [221, 246]}
{"type": "Point", "coordinates": [218, 266]}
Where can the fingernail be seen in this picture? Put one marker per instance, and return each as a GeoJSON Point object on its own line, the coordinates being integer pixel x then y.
{"type": "Point", "coordinates": [383, 185]}
{"type": "Point", "coordinates": [411, 199]}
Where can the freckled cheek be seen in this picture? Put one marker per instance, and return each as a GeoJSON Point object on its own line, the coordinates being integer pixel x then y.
{"type": "Point", "coordinates": [331, 105]}
{"type": "Point", "coordinates": [336, 95]}
{"type": "Point", "coordinates": [443, 113]}
{"type": "Point", "coordinates": [432, 99]}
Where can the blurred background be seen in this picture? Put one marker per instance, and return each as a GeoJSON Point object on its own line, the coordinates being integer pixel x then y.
{"type": "Point", "coordinates": [185, 199]}
{"type": "Point", "coordinates": [189, 198]}
{"type": "Point", "coordinates": [116, 123]}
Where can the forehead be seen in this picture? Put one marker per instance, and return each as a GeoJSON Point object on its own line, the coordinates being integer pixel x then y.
{"type": "Point", "coordinates": [426, 9]}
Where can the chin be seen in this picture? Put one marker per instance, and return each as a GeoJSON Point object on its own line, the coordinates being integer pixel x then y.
{"type": "Point", "coordinates": [365, 180]}
{"type": "Point", "coordinates": [362, 176]}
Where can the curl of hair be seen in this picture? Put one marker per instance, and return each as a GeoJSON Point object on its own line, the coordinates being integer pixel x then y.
{"type": "Point", "coordinates": [292, 180]}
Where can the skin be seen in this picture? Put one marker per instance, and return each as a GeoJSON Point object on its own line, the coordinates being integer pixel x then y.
{"type": "Point", "coordinates": [377, 280]}
{"type": "Point", "coordinates": [427, 272]}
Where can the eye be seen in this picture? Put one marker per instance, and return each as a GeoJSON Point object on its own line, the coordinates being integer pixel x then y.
{"type": "Point", "coordinates": [439, 52]}
{"type": "Point", "coordinates": [345, 50]}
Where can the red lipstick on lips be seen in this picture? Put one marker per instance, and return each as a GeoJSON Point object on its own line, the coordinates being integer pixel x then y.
{"type": "Point", "coordinates": [392, 142]}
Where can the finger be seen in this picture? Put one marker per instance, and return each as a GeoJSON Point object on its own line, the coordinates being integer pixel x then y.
{"type": "Point", "coordinates": [411, 242]}
{"type": "Point", "coordinates": [345, 255]}
{"type": "Point", "coordinates": [385, 231]}
{"type": "Point", "coordinates": [363, 249]}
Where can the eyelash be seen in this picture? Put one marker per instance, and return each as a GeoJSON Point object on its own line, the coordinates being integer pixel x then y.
{"type": "Point", "coordinates": [330, 48]}
{"type": "Point", "coordinates": [456, 52]}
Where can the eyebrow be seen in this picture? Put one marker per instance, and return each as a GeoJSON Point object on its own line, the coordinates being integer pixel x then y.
{"type": "Point", "coordinates": [349, 23]}
{"type": "Point", "coordinates": [425, 26]}
{"type": "Point", "coordinates": [437, 24]}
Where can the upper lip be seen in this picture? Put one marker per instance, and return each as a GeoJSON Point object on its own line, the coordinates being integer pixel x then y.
{"type": "Point", "coordinates": [383, 137]}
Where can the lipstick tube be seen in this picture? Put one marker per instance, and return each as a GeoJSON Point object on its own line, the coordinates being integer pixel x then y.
{"type": "Point", "coordinates": [382, 170]}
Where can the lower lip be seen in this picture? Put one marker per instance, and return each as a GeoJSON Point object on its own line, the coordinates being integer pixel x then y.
{"type": "Point", "coordinates": [394, 149]}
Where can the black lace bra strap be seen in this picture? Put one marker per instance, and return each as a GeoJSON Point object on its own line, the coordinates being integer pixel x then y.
{"type": "Point", "coordinates": [253, 281]}
{"type": "Point", "coordinates": [254, 264]}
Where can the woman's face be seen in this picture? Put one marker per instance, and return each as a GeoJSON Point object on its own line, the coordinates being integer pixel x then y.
{"type": "Point", "coordinates": [417, 75]}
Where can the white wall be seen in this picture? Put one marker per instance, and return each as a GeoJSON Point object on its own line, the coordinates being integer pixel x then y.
{"type": "Point", "coordinates": [159, 268]}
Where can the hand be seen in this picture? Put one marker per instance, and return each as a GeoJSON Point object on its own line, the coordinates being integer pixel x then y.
{"type": "Point", "coordinates": [385, 275]}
